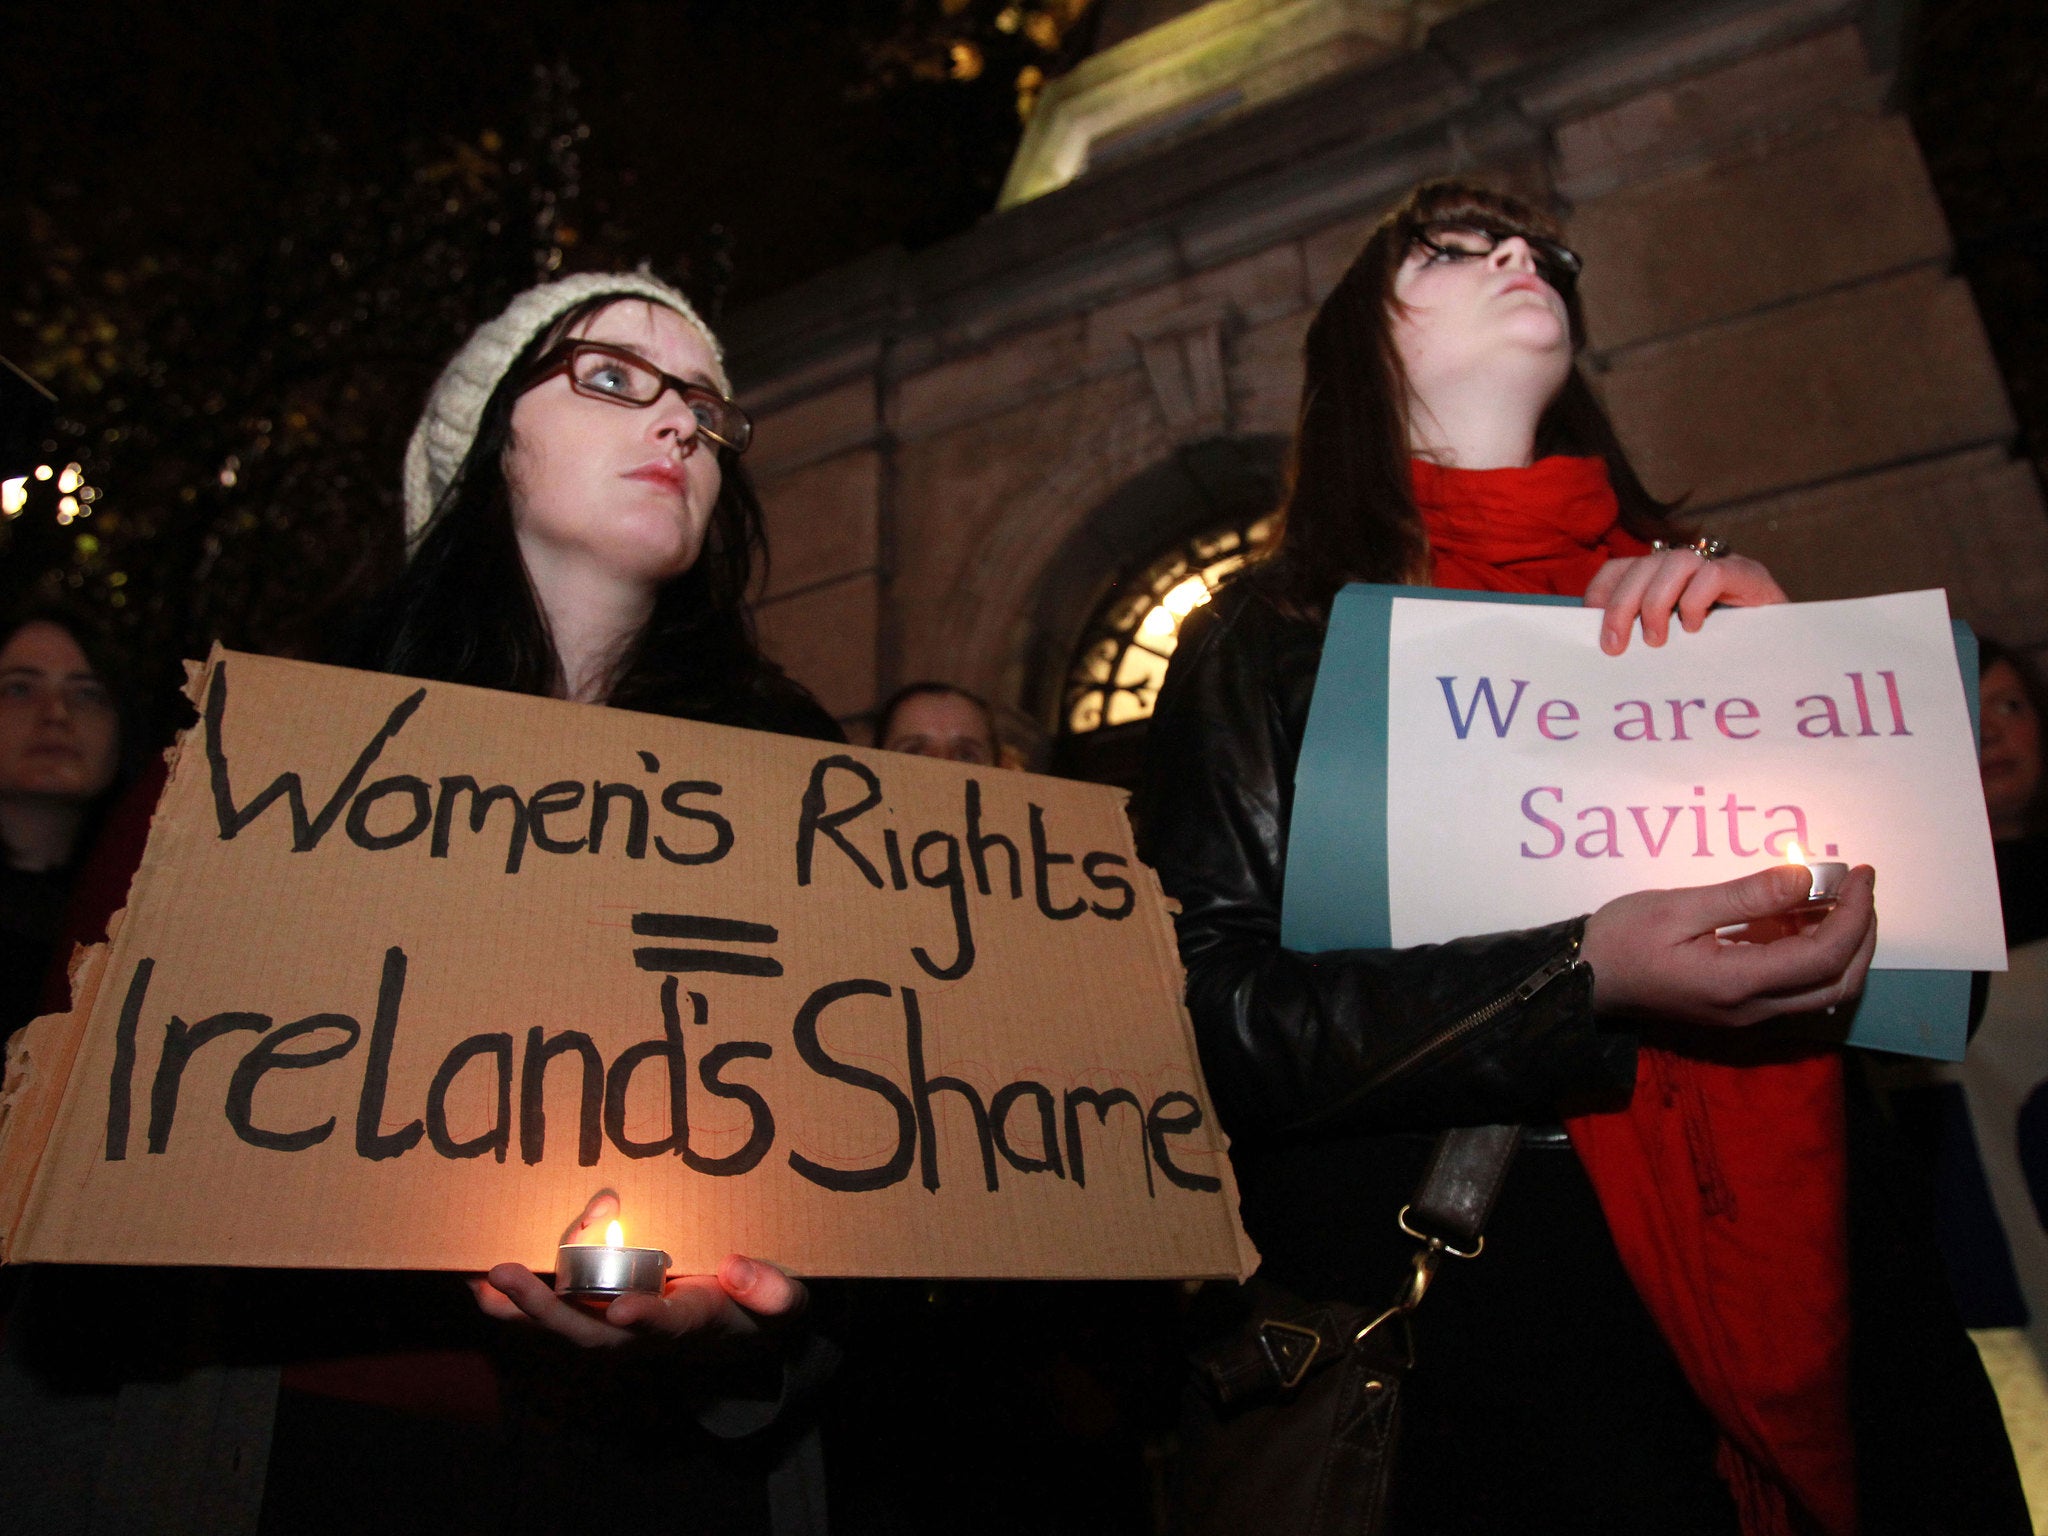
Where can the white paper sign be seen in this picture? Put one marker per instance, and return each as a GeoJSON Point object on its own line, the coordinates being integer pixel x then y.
{"type": "Point", "coordinates": [1531, 776]}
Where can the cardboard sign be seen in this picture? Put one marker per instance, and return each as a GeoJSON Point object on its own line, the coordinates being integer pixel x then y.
{"type": "Point", "coordinates": [1481, 765]}
{"type": "Point", "coordinates": [409, 971]}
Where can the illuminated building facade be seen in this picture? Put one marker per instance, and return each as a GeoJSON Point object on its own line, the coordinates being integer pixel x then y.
{"type": "Point", "coordinates": [988, 462]}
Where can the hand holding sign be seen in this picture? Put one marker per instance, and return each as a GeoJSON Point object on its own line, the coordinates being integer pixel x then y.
{"type": "Point", "coordinates": [743, 1297]}
{"type": "Point", "coordinates": [1479, 766]}
{"type": "Point", "coordinates": [1652, 586]}
{"type": "Point", "coordinates": [1658, 953]}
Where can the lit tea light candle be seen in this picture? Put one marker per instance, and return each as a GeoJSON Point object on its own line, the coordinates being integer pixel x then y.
{"type": "Point", "coordinates": [601, 1271]}
{"type": "Point", "coordinates": [1825, 876]}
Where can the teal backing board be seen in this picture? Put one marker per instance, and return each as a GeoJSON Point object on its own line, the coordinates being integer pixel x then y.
{"type": "Point", "coordinates": [1337, 843]}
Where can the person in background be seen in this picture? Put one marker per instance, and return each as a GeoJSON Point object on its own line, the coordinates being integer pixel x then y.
{"type": "Point", "coordinates": [1038, 1407]}
{"type": "Point", "coordinates": [1983, 1123]}
{"type": "Point", "coordinates": [2012, 705]}
{"type": "Point", "coordinates": [61, 740]}
{"type": "Point", "coordinates": [939, 720]}
{"type": "Point", "coordinates": [62, 735]}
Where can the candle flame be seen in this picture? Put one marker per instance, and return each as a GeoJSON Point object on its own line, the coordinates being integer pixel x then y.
{"type": "Point", "coordinates": [615, 1236]}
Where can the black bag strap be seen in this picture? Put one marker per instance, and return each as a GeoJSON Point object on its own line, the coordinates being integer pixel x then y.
{"type": "Point", "coordinates": [1446, 1215]}
{"type": "Point", "coordinates": [1459, 1188]}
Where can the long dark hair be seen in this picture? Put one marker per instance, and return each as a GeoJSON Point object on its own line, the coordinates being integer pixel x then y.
{"type": "Point", "coordinates": [465, 610]}
{"type": "Point", "coordinates": [1349, 512]}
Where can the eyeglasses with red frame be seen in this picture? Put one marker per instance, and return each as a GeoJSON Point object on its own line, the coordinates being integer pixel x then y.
{"type": "Point", "coordinates": [614, 374]}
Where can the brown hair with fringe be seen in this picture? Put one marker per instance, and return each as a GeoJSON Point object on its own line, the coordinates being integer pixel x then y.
{"type": "Point", "coordinates": [1349, 511]}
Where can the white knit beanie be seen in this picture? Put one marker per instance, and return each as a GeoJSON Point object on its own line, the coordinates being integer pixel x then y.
{"type": "Point", "coordinates": [455, 405]}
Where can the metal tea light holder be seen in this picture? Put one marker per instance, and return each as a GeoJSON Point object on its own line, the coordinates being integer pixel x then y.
{"type": "Point", "coordinates": [603, 1271]}
{"type": "Point", "coordinates": [1827, 876]}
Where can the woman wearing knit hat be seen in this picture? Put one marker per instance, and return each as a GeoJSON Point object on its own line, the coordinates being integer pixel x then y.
{"type": "Point", "coordinates": [579, 526]}
{"type": "Point", "coordinates": [579, 521]}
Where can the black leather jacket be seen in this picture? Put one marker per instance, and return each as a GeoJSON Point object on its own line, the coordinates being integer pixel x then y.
{"type": "Point", "coordinates": [1330, 1073]}
{"type": "Point", "coordinates": [1495, 1028]}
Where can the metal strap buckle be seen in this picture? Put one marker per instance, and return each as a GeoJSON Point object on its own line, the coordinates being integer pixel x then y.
{"type": "Point", "coordinates": [1421, 1272]}
{"type": "Point", "coordinates": [1290, 1349]}
{"type": "Point", "coordinates": [1438, 1244]}
{"type": "Point", "coordinates": [1397, 1313]}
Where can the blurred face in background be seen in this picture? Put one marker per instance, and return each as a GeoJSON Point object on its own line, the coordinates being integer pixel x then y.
{"type": "Point", "coordinates": [940, 725]}
{"type": "Point", "coordinates": [2010, 756]}
{"type": "Point", "coordinates": [60, 734]}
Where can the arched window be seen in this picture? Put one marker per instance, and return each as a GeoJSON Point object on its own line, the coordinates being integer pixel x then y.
{"type": "Point", "coordinates": [1110, 601]}
{"type": "Point", "coordinates": [1121, 660]}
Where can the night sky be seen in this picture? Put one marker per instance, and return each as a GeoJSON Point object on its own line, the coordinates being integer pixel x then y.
{"type": "Point", "coordinates": [239, 239]}
{"type": "Point", "coordinates": [802, 129]}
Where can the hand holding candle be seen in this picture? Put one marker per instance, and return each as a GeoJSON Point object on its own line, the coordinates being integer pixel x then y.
{"type": "Point", "coordinates": [1824, 881]}
{"type": "Point", "coordinates": [1662, 953]}
{"type": "Point", "coordinates": [744, 1297]}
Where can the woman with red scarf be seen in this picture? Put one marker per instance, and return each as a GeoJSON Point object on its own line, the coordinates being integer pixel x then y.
{"type": "Point", "coordinates": [1696, 1312]}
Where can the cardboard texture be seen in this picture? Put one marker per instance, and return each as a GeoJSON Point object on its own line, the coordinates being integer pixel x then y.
{"type": "Point", "coordinates": [409, 971]}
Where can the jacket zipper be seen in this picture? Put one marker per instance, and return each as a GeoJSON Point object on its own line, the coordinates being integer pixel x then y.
{"type": "Point", "coordinates": [1530, 985]}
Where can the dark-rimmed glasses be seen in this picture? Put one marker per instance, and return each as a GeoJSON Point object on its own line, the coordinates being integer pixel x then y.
{"type": "Point", "coordinates": [605, 372]}
{"type": "Point", "coordinates": [1471, 240]}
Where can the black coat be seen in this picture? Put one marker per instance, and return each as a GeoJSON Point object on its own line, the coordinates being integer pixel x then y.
{"type": "Point", "coordinates": [1545, 1398]}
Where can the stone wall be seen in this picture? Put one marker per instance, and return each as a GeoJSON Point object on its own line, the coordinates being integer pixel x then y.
{"type": "Point", "coordinates": [1776, 330]}
{"type": "Point", "coordinates": [1772, 322]}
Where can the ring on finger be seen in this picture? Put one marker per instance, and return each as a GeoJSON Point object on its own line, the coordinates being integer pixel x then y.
{"type": "Point", "coordinates": [1705, 546]}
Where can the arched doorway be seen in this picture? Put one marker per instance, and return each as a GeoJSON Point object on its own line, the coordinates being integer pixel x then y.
{"type": "Point", "coordinates": [1112, 600]}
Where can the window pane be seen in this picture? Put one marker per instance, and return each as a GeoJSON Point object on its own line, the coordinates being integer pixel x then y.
{"type": "Point", "coordinates": [1137, 628]}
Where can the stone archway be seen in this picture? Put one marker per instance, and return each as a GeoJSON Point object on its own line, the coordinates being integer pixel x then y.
{"type": "Point", "coordinates": [1213, 484]}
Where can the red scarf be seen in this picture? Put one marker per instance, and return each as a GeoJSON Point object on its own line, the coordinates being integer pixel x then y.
{"type": "Point", "coordinates": [1546, 528]}
{"type": "Point", "coordinates": [1724, 1181]}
